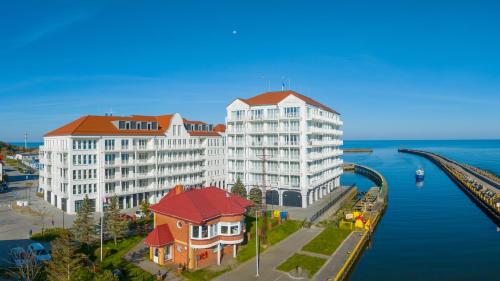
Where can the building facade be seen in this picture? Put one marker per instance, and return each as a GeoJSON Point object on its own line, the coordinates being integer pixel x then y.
{"type": "Point", "coordinates": [195, 228]}
{"type": "Point", "coordinates": [134, 158]}
{"type": "Point", "coordinates": [286, 142]}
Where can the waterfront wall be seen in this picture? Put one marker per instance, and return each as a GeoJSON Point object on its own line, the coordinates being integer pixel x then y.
{"type": "Point", "coordinates": [487, 206]}
{"type": "Point", "coordinates": [381, 182]}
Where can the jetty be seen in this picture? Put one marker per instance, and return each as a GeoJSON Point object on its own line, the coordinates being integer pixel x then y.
{"type": "Point", "coordinates": [482, 187]}
{"type": "Point", "coordinates": [373, 206]}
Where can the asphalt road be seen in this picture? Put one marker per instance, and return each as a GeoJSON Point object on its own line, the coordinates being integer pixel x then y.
{"type": "Point", "coordinates": [15, 227]}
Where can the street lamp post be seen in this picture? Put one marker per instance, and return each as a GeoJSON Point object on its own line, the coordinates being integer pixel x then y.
{"type": "Point", "coordinates": [257, 242]}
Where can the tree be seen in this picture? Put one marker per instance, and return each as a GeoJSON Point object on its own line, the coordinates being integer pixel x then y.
{"type": "Point", "coordinates": [106, 276]}
{"type": "Point", "coordinates": [26, 268]}
{"type": "Point", "coordinates": [65, 259]}
{"type": "Point", "coordinates": [114, 225]}
{"type": "Point", "coordinates": [239, 189]}
{"type": "Point", "coordinates": [145, 208]}
{"type": "Point", "coordinates": [255, 196]}
{"type": "Point", "coordinates": [83, 227]}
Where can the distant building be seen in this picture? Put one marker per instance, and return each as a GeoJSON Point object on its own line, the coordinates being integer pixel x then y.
{"type": "Point", "coordinates": [300, 139]}
{"type": "Point", "coordinates": [197, 228]}
{"type": "Point", "coordinates": [26, 157]}
{"type": "Point", "coordinates": [134, 157]}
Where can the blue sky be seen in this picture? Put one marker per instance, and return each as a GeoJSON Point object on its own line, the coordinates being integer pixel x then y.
{"type": "Point", "coordinates": [394, 69]}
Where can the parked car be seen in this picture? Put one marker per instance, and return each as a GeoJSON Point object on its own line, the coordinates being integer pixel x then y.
{"type": "Point", "coordinates": [39, 251]}
{"type": "Point", "coordinates": [18, 256]}
{"type": "Point", "coordinates": [139, 214]}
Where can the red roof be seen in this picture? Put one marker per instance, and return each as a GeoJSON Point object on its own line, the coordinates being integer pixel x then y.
{"type": "Point", "coordinates": [160, 236]}
{"type": "Point", "coordinates": [92, 125]}
{"type": "Point", "coordinates": [276, 97]}
{"type": "Point", "coordinates": [194, 122]}
{"type": "Point", "coordinates": [203, 133]}
{"type": "Point", "coordinates": [221, 128]}
{"type": "Point", "coordinates": [201, 205]}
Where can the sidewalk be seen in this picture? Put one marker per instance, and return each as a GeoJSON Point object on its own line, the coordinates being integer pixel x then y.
{"type": "Point", "coordinates": [271, 258]}
{"type": "Point", "coordinates": [338, 258]}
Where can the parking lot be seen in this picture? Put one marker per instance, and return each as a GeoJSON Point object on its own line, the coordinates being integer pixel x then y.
{"type": "Point", "coordinates": [14, 226]}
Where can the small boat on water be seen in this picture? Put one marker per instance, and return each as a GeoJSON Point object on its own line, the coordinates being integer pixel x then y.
{"type": "Point", "coordinates": [419, 175]}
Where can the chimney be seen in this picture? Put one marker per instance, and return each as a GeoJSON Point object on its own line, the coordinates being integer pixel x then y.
{"type": "Point", "coordinates": [178, 189]}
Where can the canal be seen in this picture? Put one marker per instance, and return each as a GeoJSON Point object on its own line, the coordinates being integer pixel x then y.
{"type": "Point", "coordinates": [429, 232]}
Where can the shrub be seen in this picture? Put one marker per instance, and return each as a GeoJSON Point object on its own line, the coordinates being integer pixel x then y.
{"type": "Point", "coordinates": [48, 234]}
{"type": "Point", "coordinates": [106, 252]}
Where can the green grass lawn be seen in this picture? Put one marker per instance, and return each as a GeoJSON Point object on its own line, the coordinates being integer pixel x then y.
{"type": "Point", "coordinates": [115, 260]}
{"type": "Point", "coordinates": [310, 264]}
{"type": "Point", "coordinates": [247, 251]}
{"type": "Point", "coordinates": [275, 235]}
{"type": "Point", "coordinates": [327, 241]}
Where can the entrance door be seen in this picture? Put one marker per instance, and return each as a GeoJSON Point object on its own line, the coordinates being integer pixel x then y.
{"type": "Point", "coordinates": [155, 255]}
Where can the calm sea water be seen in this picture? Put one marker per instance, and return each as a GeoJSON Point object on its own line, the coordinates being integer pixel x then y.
{"type": "Point", "coordinates": [29, 144]}
{"type": "Point", "coordinates": [433, 232]}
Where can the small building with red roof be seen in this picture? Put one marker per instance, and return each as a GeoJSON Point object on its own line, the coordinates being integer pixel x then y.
{"type": "Point", "coordinates": [196, 228]}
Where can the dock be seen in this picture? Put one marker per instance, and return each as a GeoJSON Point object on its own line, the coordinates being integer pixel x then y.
{"type": "Point", "coordinates": [482, 187]}
{"type": "Point", "coordinates": [345, 257]}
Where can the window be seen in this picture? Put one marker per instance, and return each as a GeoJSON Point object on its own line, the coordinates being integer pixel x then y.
{"type": "Point", "coordinates": [235, 229]}
{"type": "Point", "coordinates": [109, 144]}
{"type": "Point", "coordinates": [291, 111]}
{"type": "Point", "coordinates": [195, 232]}
{"type": "Point", "coordinates": [125, 144]}
{"type": "Point", "coordinates": [230, 228]}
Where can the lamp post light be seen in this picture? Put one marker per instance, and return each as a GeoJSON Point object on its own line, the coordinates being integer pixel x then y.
{"type": "Point", "coordinates": [257, 242]}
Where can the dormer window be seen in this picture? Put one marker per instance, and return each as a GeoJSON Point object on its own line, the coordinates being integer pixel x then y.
{"type": "Point", "coordinates": [133, 125]}
{"type": "Point", "coordinates": [121, 125]}
{"type": "Point", "coordinates": [127, 126]}
{"type": "Point", "coordinates": [155, 126]}
{"type": "Point", "coordinates": [144, 125]}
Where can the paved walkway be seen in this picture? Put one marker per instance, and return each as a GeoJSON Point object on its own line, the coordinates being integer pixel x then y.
{"type": "Point", "coordinates": [137, 256]}
{"type": "Point", "coordinates": [338, 258]}
{"type": "Point", "coordinates": [271, 258]}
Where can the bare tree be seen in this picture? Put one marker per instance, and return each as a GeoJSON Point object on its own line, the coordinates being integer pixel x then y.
{"type": "Point", "coordinates": [25, 266]}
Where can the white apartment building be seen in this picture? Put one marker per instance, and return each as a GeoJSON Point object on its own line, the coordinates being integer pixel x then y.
{"type": "Point", "coordinates": [300, 139]}
{"type": "Point", "coordinates": [134, 158]}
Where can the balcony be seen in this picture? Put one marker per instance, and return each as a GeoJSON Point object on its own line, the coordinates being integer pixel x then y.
{"type": "Point", "coordinates": [325, 143]}
{"type": "Point", "coordinates": [318, 156]}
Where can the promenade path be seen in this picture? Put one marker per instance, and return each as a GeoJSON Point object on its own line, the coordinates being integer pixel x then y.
{"type": "Point", "coordinates": [271, 258]}
{"type": "Point", "coordinates": [338, 258]}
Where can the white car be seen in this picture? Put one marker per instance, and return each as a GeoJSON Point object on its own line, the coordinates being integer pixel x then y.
{"type": "Point", "coordinates": [139, 214]}
{"type": "Point", "coordinates": [38, 250]}
{"type": "Point", "coordinates": [18, 256]}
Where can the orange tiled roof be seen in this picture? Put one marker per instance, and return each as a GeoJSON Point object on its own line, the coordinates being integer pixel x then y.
{"type": "Point", "coordinates": [92, 125]}
{"type": "Point", "coordinates": [193, 122]}
{"type": "Point", "coordinates": [203, 133]}
{"type": "Point", "coordinates": [221, 128]}
{"type": "Point", "coordinates": [278, 96]}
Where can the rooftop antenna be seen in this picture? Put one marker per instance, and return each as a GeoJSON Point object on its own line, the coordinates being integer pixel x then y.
{"type": "Point", "coordinates": [282, 84]}
{"type": "Point", "coordinates": [26, 141]}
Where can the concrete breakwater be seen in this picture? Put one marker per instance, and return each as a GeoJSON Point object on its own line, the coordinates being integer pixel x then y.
{"type": "Point", "coordinates": [483, 191]}
{"type": "Point", "coordinates": [376, 213]}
